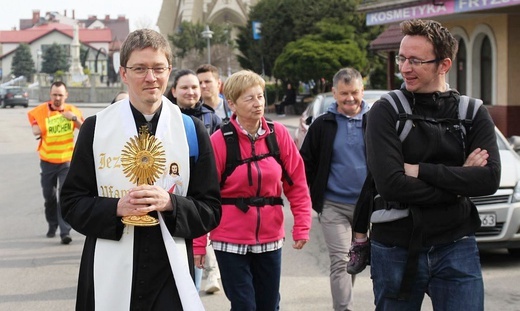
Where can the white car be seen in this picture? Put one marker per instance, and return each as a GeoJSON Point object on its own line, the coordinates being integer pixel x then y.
{"type": "Point", "coordinates": [500, 212]}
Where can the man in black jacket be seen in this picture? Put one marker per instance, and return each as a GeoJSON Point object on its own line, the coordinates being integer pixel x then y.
{"type": "Point", "coordinates": [335, 166]}
{"type": "Point", "coordinates": [432, 173]}
{"type": "Point", "coordinates": [130, 267]}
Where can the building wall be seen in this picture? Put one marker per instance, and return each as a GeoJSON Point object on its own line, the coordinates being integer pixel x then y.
{"type": "Point", "coordinates": [173, 12]}
{"type": "Point", "coordinates": [497, 25]}
{"type": "Point", "coordinates": [502, 28]}
{"type": "Point", "coordinates": [513, 60]}
{"type": "Point", "coordinates": [49, 39]}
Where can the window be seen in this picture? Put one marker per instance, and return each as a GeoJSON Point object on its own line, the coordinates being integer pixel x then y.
{"type": "Point", "coordinates": [460, 67]}
{"type": "Point", "coordinates": [485, 71]}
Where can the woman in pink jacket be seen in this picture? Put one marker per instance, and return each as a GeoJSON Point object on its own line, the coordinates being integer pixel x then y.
{"type": "Point", "coordinates": [248, 242]}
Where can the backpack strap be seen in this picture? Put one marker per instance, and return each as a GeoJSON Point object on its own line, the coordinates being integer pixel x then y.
{"type": "Point", "coordinates": [233, 157]}
{"type": "Point", "coordinates": [191, 135]}
{"type": "Point", "coordinates": [207, 118]}
{"type": "Point", "coordinates": [274, 150]}
{"type": "Point", "coordinates": [227, 110]}
{"type": "Point", "coordinates": [468, 108]}
{"type": "Point", "coordinates": [232, 150]}
{"type": "Point", "coordinates": [402, 107]}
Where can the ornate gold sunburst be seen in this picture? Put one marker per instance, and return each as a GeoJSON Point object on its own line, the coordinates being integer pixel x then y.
{"type": "Point", "coordinates": [143, 158]}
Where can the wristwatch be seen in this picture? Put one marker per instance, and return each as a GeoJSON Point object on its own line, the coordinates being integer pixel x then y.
{"type": "Point", "coordinates": [74, 118]}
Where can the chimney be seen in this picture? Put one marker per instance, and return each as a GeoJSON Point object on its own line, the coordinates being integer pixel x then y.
{"type": "Point", "coordinates": [107, 17]}
{"type": "Point", "coordinates": [73, 14]}
{"type": "Point", "coordinates": [65, 12]}
{"type": "Point", "coordinates": [35, 17]}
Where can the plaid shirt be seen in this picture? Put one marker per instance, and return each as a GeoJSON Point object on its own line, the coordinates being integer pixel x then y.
{"type": "Point", "coordinates": [242, 249]}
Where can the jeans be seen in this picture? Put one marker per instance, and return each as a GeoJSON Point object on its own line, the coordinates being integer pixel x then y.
{"type": "Point", "coordinates": [336, 220]}
{"type": "Point", "coordinates": [52, 179]}
{"type": "Point", "coordinates": [450, 274]}
{"type": "Point", "coordinates": [251, 281]}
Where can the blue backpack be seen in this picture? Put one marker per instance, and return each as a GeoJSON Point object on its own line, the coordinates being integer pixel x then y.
{"type": "Point", "coordinates": [191, 134]}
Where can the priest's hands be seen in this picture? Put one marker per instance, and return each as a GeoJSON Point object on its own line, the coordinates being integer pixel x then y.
{"type": "Point", "coordinates": [143, 199]}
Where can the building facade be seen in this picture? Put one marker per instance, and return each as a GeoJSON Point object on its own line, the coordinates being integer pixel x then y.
{"type": "Point", "coordinates": [173, 12]}
{"type": "Point", "coordinates": [487, 62]}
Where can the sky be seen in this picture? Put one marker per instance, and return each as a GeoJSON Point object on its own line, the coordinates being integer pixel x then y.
{"type": "Point", "coordinates": [139, 13]}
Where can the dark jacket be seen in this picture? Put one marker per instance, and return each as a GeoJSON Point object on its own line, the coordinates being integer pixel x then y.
{"type": "Point", "coordinates": [438, 197]}
{"type": "Point", "coordinates": [316, 152]}
{"type": "Point", "coordinates": [95, 217]}
{"type": "Point", "coordinates": [206, 114]}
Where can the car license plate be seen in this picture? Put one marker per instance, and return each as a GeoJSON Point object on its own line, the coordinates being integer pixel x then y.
{"type": "Point", "coordinates": [488, 220]}
{"type": "Point", "coordinates": [18, 96]}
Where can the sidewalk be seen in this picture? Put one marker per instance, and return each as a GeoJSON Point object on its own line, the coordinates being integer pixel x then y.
{"type": "Point", "coordinates": [291, 122]}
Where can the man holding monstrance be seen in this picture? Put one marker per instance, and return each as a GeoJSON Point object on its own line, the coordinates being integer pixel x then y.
{"type": "Point", "coordinates": [138, 247]}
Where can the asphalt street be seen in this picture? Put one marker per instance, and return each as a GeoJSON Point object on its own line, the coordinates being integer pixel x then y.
{"type": "Point", "coordinates": [38, 273]}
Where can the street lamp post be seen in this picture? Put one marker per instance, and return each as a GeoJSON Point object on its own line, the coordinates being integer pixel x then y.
{"type": "Point", "coordinates": [208, 34]}
{"type": "Point", "coordinates": [228, 52]}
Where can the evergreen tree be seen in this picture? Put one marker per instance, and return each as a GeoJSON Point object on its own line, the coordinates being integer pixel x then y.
{"type": "Point", "coordinates": [54, 59]}
{"type": "Point", "coordinates": [23, 64]}
{"type": "Point", "coordinates": [285, 21]}
{"type": "Point", "coordinates": [321, 55]}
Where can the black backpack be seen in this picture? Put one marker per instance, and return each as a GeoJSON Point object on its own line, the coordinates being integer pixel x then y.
{"type": "Point", "coordinates": [468, 108]}
{"type": "Point", "coordinates": [234, 158]}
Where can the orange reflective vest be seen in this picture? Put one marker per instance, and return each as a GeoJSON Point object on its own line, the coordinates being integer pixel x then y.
{"type": "Point", "coordinates": [57, 133]}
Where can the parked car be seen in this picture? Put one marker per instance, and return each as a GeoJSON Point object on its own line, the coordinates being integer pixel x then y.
{"type": "Point", "coordinates": [319, 106]}
{"type": "Point", "coordinates": [500, 212]}
{"type": "Point", "coordinates": [14, 96]}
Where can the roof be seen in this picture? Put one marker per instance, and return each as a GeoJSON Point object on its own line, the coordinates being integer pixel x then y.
{"type": "Point", "coordinates": [390, 39]}
{"type": "Point", "coordinates": [86, 36]}
{"type": "Point", "coordinates": [119, 26]}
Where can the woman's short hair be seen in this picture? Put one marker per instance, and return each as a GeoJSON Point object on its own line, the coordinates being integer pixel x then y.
{"type": "Point", "coordinates": [240, 81]}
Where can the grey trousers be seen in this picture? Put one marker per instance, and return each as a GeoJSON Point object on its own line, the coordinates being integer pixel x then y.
{"type": "Point", "coordinates": [52, 179]}
{"type": "Point", "coordinates": [336, 223]}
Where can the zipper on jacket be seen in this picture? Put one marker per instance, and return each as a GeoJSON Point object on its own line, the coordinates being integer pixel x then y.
{"type": "Point", "coordinates": [259, 179]}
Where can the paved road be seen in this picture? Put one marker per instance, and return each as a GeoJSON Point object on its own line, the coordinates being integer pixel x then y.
{"type": "Point", "coordinates": [37, 273]}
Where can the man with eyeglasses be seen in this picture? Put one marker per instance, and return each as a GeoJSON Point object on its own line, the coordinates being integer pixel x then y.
{"type": "Point", "coordinates": [127, 267]}
{"type": "Point", "coordinates": [433, 249]}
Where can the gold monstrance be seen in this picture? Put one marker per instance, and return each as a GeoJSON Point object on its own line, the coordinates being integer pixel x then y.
{"type": "Point", "coordinates": [143, 162]}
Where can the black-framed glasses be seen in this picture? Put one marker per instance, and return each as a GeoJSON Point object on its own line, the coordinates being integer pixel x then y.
{"type": "Point", "coordinates": [414, 62]}
{"type": "Point", "coordinates": [141, 71]}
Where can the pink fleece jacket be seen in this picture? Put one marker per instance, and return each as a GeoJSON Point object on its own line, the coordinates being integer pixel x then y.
{"type": "Point", "coordinates": [260, 224]}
